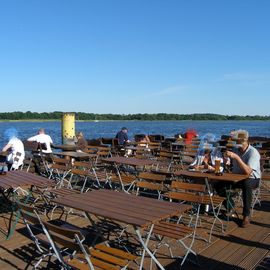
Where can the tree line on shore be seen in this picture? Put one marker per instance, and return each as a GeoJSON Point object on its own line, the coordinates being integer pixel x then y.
{"type": "Point", "coordinates": [57, 115]}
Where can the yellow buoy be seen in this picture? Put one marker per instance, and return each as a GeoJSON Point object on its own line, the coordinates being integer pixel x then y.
{"type": "Point", "coordinates": [68, 128]}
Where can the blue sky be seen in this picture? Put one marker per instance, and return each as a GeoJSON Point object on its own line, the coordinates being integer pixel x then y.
{"type": "Point", "coordinates": [135, 56]}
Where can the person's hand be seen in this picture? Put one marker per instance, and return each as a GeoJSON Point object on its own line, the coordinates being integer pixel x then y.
{"type": "Point", "coordinates": [231, 154]}
{"type": "Point", "coordinates": [206, 166]}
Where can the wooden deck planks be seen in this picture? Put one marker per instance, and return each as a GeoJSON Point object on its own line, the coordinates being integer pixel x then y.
{"type": "Point", "coordinates": [239, 249]}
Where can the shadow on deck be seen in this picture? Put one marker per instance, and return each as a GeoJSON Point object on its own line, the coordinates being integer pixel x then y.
{"type": "Point", "coordinates": [238, 249]}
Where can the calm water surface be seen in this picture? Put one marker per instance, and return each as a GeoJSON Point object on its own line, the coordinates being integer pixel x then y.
{"type": "Point", "coordinates": [109, 129]}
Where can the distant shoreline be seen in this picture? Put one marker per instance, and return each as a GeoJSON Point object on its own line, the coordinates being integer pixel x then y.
{"type": "Point", "coordinates": [131, 120]}
{"type": "Point", "coordinates": [94, 117]}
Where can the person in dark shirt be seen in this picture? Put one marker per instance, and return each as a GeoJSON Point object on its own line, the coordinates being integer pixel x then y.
{"type": "Point", "coordinates": [122, 136]}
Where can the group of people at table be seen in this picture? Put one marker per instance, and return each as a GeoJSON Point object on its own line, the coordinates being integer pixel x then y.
{"type": "Point", "coordinates": [243, 159]}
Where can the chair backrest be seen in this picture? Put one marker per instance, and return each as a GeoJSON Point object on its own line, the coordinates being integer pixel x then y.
{"type": "Point", "coordinates": [188, 187]}
{"type": "Point", "coordinates": [165, 154]}
{"type": "Point", "coordinates": [30, 146]}
{"type": "Point", "coordinates": [82, 165]}
{"type": "Point", "coordinates": [16, 159]}
{"type": "Point", "coordinates": [189, 192]}
{"type": "Point", "coordinates": [57, 237]}
{"type": "Point", "coordinates": [102, 256]}
{"type": "Point", "coordinates": [31, 222]}
{"type": "Point", "coordinates": [153, 177]}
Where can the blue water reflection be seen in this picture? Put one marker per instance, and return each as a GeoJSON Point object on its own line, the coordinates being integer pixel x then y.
{"type": "Point", "coordinates": [109, 128]}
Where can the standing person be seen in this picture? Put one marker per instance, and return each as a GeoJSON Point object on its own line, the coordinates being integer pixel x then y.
{"type": "Point", "coordinates": [245, 160]}
{"type": "Point", "coordinates": [41, 137]}
{"type": "Point", "coordinates": [15, 148]}
{"type": "Point", "coordinates": [122, 136]}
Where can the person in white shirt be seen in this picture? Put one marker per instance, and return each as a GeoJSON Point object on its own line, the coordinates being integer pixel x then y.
{"type": "Point", "coordinates": [41, 137]}
{"type": "Point", "coordinates": [15, 148]}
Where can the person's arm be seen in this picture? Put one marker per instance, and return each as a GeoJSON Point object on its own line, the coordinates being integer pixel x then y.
{"type": "Point", "coordinates": [126, 137]}
{"type": "Point", "coordinates": [194, 163]}
{"type": "Point", "coordinates": [244, 167]}
{"type": "Point", "coordinates": [6, 147]}
{"type": "Point", "coordinates": [32, 139]}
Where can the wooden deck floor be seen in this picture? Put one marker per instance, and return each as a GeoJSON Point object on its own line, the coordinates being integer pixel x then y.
{"type": "Point", "coordinates": [239, 248]}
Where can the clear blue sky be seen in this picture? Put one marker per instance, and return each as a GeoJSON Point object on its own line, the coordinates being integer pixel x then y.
{"type": "Point", "coordinates": [135, 56]}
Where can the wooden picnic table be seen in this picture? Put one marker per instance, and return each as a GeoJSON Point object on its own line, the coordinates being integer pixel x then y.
{"type": "Point", "coordinates": [12, 181]}
{"type": "Point", "coordinates": [65, 147]}
{"type": "Point", "coordinates": [226, 177]}
{"type": "Point", "coordinates": [128, 161]}
{"type": "Point", "coordinates": [230, 178]}
{"type": "Point", "coordinates": [131, 161]}
{"type": "Point", "coordinates": [140, 212]}
{"type": "Point", "coordinates": [73, 154]}
{"type": "Point", "coordinates": [22, 179]}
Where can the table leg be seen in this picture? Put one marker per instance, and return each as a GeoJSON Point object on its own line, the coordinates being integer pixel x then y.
{"type": "Point", "coordinates": [12, 227]}
{"type": "Point", "coordinates": [146, 249]}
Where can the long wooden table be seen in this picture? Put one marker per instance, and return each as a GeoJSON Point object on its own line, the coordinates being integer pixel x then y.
{"type": "Point", "coordinates": [22, 179]}
{"type": "Point", "coordinates": [73, 154]}
{"type": "Point", "coordinates": [128, 161]}
{"type": "Point", "coordinates": [65, 147]}
{"type": "Point", "coordinates": [226, 177]}
{"type": "Point", "coordinates": [140, 212]}
{"type": "Point", "coordinates": [230, 178]}
{"type": "Point", "coordinates": [13, 181]}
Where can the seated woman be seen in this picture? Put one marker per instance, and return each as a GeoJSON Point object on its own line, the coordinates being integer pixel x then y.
{"type": "Point", "coordinates": [143, 141]}
{"type": "Point", "coordinates": [206, 159]}
{"type": "Point", "coordinates": [81, 142]}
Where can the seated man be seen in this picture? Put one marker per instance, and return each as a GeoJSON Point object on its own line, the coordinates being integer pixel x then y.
{"type": "Point", "coordinates": [39, 158]}
{"type": "Point", "coordinates": [122, 136]}
{"type": "Point", "coordinates": [15, 149]}
{"type": "Point", "coordinates": [245, 160]}
{"type": "Point", "coordinates": [42, 138]}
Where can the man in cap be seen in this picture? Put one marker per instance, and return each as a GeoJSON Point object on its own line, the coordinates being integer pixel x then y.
{"type": "Point", "coordinates": [245, 160]}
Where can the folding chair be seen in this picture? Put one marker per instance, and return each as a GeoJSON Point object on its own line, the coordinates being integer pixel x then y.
{"type": "Point", "coordinates": [35, 232]}
{"type": "Point", "coordinates": [164, 160]}
{"type": "Point", "coordinates": [59, 170]}
{"type": "Point", "coordinates": [122, 181]}
{"type": "Point", "coordinates": [185, 235]}
{"type": "Point", "coordinates": [197, 193]}
{"type": "Point", "coordinates": [96, 176]}
{"type": "Point", "coordinates": [38, 231]}
{"type": "Point", "coordinates": [256, 197]}
{"type": "Point", "coordinates": [15, 165]}
{"type": "Point", "coordinates": [149, 182]}
{"type": "Point", "coordinates": [101, 256]}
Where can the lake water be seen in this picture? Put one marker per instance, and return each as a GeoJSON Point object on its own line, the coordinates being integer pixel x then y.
{"type": "Point", "coordinates": [110, 128]}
